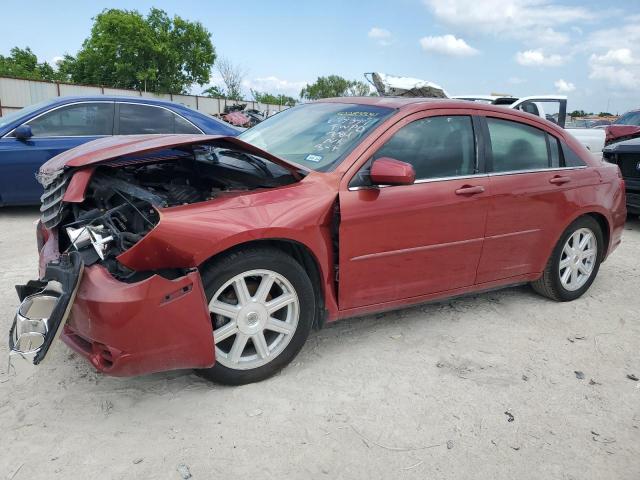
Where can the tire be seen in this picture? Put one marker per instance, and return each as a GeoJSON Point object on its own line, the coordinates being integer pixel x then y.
{"type": "Point", "coordinates": [272, 338]}
{"type": "Point", "coordinates": [551, 283]}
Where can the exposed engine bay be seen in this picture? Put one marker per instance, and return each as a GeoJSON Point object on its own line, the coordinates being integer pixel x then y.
{"type": "Point", "coordinates": [123, 198]}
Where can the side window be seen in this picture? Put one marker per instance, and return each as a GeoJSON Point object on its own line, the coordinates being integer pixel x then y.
{"type": "Point", "coordinates": [571, 158]}
{"type": "Point", "coordinates": [436, 147]}
{"type": "Point", "coordinates": [516, 146]}
{"type": "Point", "coordinates": [82, 119]}
{"type": "Point", "coordinates": [136, 119]}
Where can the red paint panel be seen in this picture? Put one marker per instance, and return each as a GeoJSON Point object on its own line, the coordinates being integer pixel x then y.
{"type": "Point", "coordinates": [615, 133]}
{"type": "Point", "coordinates": [527, 215]}
{"type": "Point", "coordinates": [149, 326]}
{"type": "Point", "coordinates": [405, 241]}
{"type": "Point", "coordinates": [78, 185]}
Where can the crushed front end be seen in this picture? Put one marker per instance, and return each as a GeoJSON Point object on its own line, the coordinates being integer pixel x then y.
{"type": "Point", "coordinates": [122, 320]}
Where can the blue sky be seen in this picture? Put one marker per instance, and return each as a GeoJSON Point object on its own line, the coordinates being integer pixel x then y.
{"type": "Point", "coordinates": [588, 50]}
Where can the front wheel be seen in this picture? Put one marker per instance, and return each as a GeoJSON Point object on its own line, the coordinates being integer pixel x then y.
{"type": "Point", "coordinates": [262, 306]}
{"type": "Point", "coordinates": [574, 262]}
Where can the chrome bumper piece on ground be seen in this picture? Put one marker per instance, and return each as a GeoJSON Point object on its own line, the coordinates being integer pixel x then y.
{"type": "Point", "coordinates": [44, 309]}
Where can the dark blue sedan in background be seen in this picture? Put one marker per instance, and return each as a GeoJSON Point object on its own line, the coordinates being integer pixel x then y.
{"type": "Point", "coordinates": [33, 135]}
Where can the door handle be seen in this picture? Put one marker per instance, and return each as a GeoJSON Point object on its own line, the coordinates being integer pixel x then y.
{"type": "Point", "coordinates": [559, 180]}
{"type": "Point", "coordinates": [470, 190]}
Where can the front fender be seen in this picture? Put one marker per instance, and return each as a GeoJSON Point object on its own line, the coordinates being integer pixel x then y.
{"type": "Point", "coordinates": [188, 236]}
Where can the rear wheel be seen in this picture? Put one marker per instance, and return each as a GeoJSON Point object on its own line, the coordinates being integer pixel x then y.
{"type": "Point", "coordinates": [262, 308]}
{"type": "Point", "coordinates": [574, 263]}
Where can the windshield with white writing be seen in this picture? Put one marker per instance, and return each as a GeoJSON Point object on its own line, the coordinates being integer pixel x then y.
{"type": "Point", "coordinates": [316, 135]}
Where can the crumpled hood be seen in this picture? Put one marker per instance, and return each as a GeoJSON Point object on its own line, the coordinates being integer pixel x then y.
{"type": "Point", "coordinates": [614, 132]}
{"type": "Point", "coordinates": [109, 148]}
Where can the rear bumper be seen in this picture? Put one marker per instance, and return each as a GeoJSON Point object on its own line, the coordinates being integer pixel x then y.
{"type": "Point", "coordinates": [154, 325]}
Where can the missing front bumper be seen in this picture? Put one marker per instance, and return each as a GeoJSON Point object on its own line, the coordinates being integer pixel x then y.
{"type": "Point", "coordinates": [44, 309]}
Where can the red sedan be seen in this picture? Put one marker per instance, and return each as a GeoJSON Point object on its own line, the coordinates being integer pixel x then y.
{"type": "Point", "coordinates": [221, 254]}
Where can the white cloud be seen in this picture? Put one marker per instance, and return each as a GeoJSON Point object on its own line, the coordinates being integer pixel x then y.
{"type": "Point", "coordinates": [615, 55]}
{"type": "Point", "coordinates": [447, 45]}
{"type": "Point", "coordinates": [617, 67]}
{"type": "Point", "coordinates": [563, 86]}
{"type": "Point", "coordinates": [623, 36]}
{"type": "Point", "coordinates": [533, 21]}
{"type": "Point", "coordinates": [380, 35]}
{"type": "Point", "coordinates": [275, 85]}
{"type": "Point", "coordinates": [537, 58]}
{"type": "Point", "coordinates": [620, 56]}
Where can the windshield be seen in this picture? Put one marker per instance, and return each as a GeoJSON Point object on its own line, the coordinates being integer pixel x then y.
{"type": "Point", "coordinates": [630, 118]}
{"type": "Point", "coordinates": [316, 135]}
{"type": "Point", "coordinates": [12, 117]}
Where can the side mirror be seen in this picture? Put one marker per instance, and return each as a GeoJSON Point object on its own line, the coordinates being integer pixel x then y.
{"type": "Point", "coordinates": [23, 132]}
{"type": "Point", "coordinates": [389, 171]}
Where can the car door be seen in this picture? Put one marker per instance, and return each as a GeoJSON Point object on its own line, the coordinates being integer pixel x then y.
{"type": "Point", "coordinates": [531, 188]}
{"type": "Point", "coordinates": [54, 132]}
{"type": "Point", "coordinates": [402, 242]}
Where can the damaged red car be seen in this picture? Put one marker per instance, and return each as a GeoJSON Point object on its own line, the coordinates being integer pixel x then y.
{"type": "Point", "coordinates": [220, 254]}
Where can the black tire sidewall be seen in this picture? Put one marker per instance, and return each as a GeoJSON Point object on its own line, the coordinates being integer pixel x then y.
{"type": "Point", "coordinates": [218, 273]}
{"type": "Point", "coordinates": [583, 222]}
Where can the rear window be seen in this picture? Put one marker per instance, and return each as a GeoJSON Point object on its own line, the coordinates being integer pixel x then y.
{"type": "Point", "coordinates": [571, 158]}
{"type": "Point", "coordinates": [135, 119]}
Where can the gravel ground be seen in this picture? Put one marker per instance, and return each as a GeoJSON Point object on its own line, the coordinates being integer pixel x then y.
{"type": "Point", "coordinates": [481, 387]}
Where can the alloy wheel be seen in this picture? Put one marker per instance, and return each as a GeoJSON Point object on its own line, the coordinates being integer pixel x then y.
{"type": "Point", "coordinates": [578, 259]}
{"type": "Point", "coordinates": [254, 316]}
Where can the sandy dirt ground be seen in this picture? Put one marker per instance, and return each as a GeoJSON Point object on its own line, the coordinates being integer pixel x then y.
{"type": "Point", "coordinates": [483, 387]}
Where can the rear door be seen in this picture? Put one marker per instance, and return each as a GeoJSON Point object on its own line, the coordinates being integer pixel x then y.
{"type": "Point", "coordinates": [402, 242]}
{"type": "Point", "coordinates": [532, 186]}
{"type": "Point", "coordinates": [54, 132]}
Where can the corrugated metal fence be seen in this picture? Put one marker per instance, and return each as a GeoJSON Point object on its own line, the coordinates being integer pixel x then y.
{"type": "Point", "coordinates": [17, 93]}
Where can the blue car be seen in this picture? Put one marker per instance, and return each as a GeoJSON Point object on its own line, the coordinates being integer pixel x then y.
{"type": "Point", "coordinates": [33, 135]}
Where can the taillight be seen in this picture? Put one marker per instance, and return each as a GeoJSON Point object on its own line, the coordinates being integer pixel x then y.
{"type": "Point", "coordinates": [42, 235]}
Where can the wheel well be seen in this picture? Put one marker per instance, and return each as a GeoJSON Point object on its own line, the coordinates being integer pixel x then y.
{"type": "Point", "coordinates": [300, 253]}
{"type": "Point", "coordinates": [604, 227]}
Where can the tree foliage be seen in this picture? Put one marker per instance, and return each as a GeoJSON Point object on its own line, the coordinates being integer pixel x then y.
{"type": "Point", "coordinates": [214, 91]}
{"type": "Point", "coordinates": [334, 86]}
{"type": "Point", "coordinates": [272, 99]}
{"type": "Point", "coordinates": [23, 63]}
{"type": "Point", "coordinates": [578, 113]}
{"type": "Point", "coordinates": [153, 53]}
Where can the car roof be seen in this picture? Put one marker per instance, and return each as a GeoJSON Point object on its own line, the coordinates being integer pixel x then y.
{"type": "Point", "coordinates": [406, 103]}
{"type": "Point", "coordinates": [415, 104]}
{"type": "Point", "coordinates": [114, 98]}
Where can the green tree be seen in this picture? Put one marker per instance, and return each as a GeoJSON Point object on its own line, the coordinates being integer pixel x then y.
{"type": "Point", "coordinates": [358, 89]}
{"type": "Point", "coordinates": [153, 53]}
{"type": "Point", "coordinates": [23, 63]}
{"type": "Point", "coordinates": [326, 87]}
{"type": "Point", "coordinates": [214, 91]}
{"type": "Point", "coordinates": [272, 99]}
{"type": "Point", "coordinates": [334, 86]}
{"type": "Point", "coordinates": [605, 114]}
{"type": "Point", "coordinates": [578, 113]}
